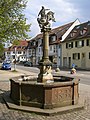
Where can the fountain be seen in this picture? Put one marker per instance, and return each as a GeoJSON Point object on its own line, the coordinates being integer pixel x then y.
{"type": "Point", "coordinates": [45, 91]}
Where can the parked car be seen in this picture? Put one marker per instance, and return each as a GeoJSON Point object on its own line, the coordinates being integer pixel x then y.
{"type": "Point", "coordinates": [6, 66]}
{"type": "Point", "coordinates": [28, 64]}
{"type": "Point", "coordinates": [22, 62]}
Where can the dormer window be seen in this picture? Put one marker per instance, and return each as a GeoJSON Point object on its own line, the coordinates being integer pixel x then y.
{"type": "Point", "coordinates": [39, 42]}
{"type": "Point", "coordinates": [77, 27]}
{"type": "Point", "coordinates": [34, 43]}
{"type": "Point", "coordinates": [88, 22]}
{"type": "Point", "coordinates": [82, 32]}
{"type": "Point", "coordinates": [73, 33]}
{"type": "Point", "coordinates": [53, 38]}
{"type": "Point", "coordinates": [23, 47]}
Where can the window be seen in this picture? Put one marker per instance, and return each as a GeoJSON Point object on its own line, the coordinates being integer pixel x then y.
{"type": "Point", "coordinates": [34, 43]}
{"type": "Point", "coordinates": [73, 33]}
{"type": "Point", "coordinates": [88, 42]}
{"type": "Point", "coordinates": [39, 49]}
{"type": "Point", "coordinates": [8, 52]}
{"type": "Point", "coordinates": [29, 52]}
{"type": "Point", "coordinates": [79, 43]}
{"type": "Point", "coordinates": [39, 42]}
{"type": "Point", "coordinates": [69, 45]}
{"type": "Point", "coordinates": [50, 48]}
{"type": "Point", "coordinates": [52, 38]}
{"type": "Point", "coordinates": [89, 55]}
{"type": "Point", "coordinates": [88, 22]}
{"type": "Point", "coordinates": [33, 51]}
{"type": "Point", "coordinates": [76, 56]}
{"type": "Point", "coordinates": [78, 27]}
{"type": "Point", "coordinates": [82, 32]}
{"type": "Point", "coordinates": [23, 47]}
{"type": "Point", "coordinates": [54, 49]}
{"type": "Point", "coordinates": [19, 52]}
{"type": "Point", "coordinates": [59, 46]}
{"type": "Point", "coordinates": [24, 52]}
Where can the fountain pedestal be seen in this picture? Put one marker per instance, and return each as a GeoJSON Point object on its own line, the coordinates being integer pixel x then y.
{"type": "Point", "coordinates": [45, 95]}
{"type": "Point", "coordinates": [45, 64]}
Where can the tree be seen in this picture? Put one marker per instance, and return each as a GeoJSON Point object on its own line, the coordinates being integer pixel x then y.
{"type": "Point", "coordinates": [12, 20]}
{"type": "Point", "coordinates": [1, 51]}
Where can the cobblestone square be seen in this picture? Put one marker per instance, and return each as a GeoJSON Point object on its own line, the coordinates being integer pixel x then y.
{"type": "Point", "coordinates": [7, 114]}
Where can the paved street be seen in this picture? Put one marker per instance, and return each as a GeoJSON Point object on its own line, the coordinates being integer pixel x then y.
{"type": "Point", "coordinates": [83, 75]}
{"type": "Point", "coordinates": [7, 114]}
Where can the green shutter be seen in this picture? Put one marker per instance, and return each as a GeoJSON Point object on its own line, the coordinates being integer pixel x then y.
{"type": "Point", "coordinates": [89, 55]}
{"type": "Point", "coordinates": [78, 55]}
{"type": "Point", "coordinates": [71, 44]}
{"type": "Point", "coordinates": [66, 45]}
{"type": "Point", "coordinates": [87, 42]}
{"type": "Point", "coordinates": [82, 43]}
{"type": "Point", "coordinates": [73, 56]}
{"type": "Point", "coordinates": [76, 44]}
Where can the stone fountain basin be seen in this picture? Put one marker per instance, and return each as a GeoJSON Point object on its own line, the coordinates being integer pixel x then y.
{"type": "Point", "coordinates": [28, 92]}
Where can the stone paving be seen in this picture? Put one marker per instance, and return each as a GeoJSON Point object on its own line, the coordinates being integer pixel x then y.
{"type": "Point", "coordinates": [7, 114]}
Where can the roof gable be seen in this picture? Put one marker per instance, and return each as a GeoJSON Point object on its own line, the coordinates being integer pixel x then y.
{"type": "Point", "coordinates": [82, 31]}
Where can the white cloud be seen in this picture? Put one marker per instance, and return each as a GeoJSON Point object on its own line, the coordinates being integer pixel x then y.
{"type": "Point", "coordinates": [65, 11]}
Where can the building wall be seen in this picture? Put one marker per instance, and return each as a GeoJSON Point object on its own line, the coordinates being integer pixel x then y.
{"type": "Point", "coordinates": [20, 55]}
{"type": "Point", "coordinates": [67, 55]}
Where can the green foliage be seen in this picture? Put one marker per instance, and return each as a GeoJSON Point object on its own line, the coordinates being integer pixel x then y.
{"type": "Point", "coordinates": [16, 42]}
{"type": "Point", "coordinates": [1, 50]}
{"type": "Point", "coordinates": [12, 20]}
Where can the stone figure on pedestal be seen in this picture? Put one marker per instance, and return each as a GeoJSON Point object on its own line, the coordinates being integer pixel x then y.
{"type": "Point", "coordinates": [44, 18]}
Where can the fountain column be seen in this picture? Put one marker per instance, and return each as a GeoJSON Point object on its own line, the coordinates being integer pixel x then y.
{"type": "Point", "coordinates": [45, 64]}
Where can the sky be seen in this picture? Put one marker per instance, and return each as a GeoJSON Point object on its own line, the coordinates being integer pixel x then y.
{"type": "Point", "coordinates": [66, 11]}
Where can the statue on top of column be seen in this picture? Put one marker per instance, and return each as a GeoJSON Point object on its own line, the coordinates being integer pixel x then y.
{"type": "Point", "coordinates": [44, 18]}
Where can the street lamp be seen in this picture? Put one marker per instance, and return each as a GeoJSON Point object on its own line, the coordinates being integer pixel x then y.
{"type": "Point", "coordinates": [15, 60]}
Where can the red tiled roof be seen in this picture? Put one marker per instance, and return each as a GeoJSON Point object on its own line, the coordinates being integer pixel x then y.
{"type": "Point", "coordinates": [23, 44]}
{"type": "Point", "coordinates": [59, 31]}
{"type": "Point", "coordinates": [62, 29]}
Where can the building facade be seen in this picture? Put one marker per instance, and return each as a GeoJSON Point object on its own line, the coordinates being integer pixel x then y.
{"type": "Point", "coordinates": [76, 47]}
{"type": "Point", "coordinates": [56, 36]}
{"type": "Point", "coordinates": [18, 52]}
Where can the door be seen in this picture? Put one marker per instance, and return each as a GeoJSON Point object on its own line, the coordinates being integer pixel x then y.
{"type": "Point", "coordinates": [83, 61]}
{"type": "Point", "coordinates": [64, 61]}
{"type": "Point", "coordinates": [69, 60]}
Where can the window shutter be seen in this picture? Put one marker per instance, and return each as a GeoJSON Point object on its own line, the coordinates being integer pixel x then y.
{"type": "Point", "coordinates": [87, 42]}
{"type": "Point", "coordinates": [66, 45]}
{"type": "Point", "coordinates": [78, 55]}
{"type": "Point", "coordinates": [76, 44]}
{"type": "Point", "coordinates": [89, 55]}
{"type": "Point", "coordinates": [82, 42]}
{"type": "Point", "coordinates": [73, 56]}
{"type": "Point", "coordinates": [71, 44]}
